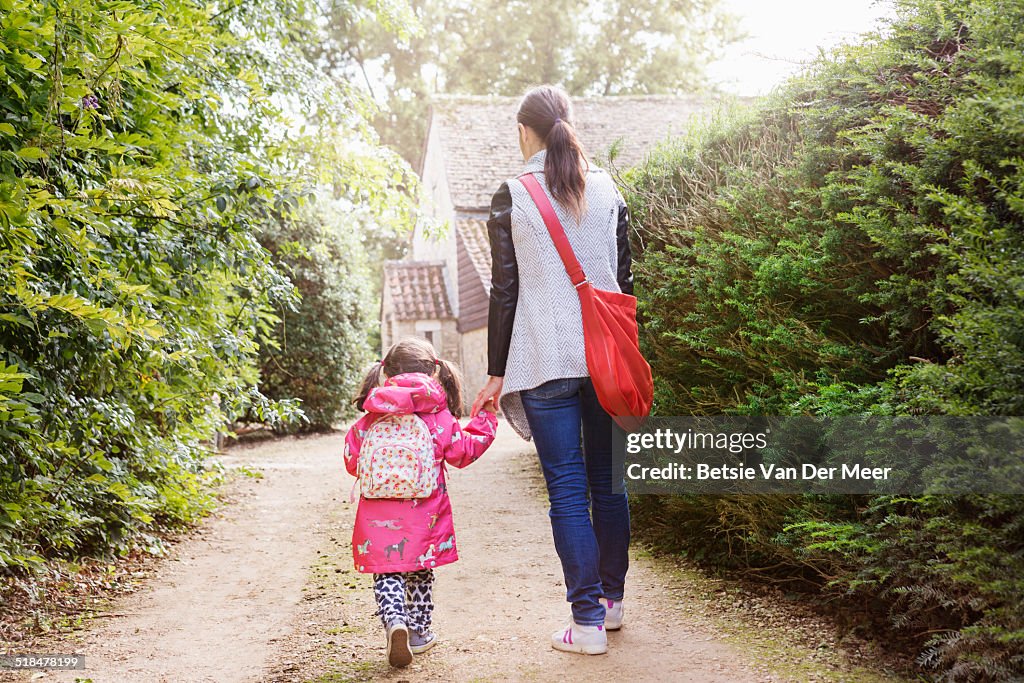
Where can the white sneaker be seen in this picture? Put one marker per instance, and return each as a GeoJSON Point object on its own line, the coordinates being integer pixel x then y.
{"type": "Point", "coordinates": [399, 653]}
{"type": "Point", "coordinates": [421, 643]}
{"type": "Point", "coordinates": [587, 640]}
{"type": "Point", "coordinates": [612, 614]}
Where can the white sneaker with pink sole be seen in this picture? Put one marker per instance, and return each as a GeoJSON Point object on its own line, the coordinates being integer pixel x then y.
{"type": "Point", "coordinates": [587, 640]}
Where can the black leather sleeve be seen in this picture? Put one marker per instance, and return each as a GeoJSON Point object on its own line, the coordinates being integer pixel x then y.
{"type": "Point", "coordinates": [625, 274]}
{"type": "Point", "coordinates": [504, 282]}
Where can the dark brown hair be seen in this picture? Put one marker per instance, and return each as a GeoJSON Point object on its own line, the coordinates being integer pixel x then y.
{"type": "Point", "coordinates": [547, 110]}
{"type": "Point", "coordinates": [414, 354]}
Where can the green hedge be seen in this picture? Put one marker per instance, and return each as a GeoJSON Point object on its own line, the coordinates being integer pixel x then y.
{"type": "Point", "coordinates": [143, 147]}
{"type": "Point", "coordinates": [855, 244]}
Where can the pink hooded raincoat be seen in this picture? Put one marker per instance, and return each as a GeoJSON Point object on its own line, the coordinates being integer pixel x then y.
{"type": "Point", "coordinates": [396, 535]}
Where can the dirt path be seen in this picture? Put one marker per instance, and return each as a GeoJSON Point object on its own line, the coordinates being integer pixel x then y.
{"type": "Point", "coordinates": [212, 610]}
{"type": "Point", "coordinates": [498, 605]}
{"type": "Point", "coordinates": [267, 593]}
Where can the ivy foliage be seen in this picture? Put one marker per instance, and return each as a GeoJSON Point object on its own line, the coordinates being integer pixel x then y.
{"type": "Point", "coordinates": [855, 244]}
{"type": "Point", "coordinates": [144, 146]}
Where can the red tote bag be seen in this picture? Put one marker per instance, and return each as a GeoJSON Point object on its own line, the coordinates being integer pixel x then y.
{"type": "Point", "coordinates": [618, 370]}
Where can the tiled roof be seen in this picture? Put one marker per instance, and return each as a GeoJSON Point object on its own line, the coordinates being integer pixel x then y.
{"type": "Point", "coordinates": [417, 290]}
{"type": "Point", "coordinates": [480, 148]}
{"type": "Point", "coordinates": [473, 233]}
{"type": "Point", "coordinates": [474, 265]}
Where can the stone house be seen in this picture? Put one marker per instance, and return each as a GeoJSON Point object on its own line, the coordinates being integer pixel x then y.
{"type": "Point", "coordinates": [441, 290]}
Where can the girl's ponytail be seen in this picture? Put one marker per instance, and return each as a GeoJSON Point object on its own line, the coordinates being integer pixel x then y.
{"type": "Point", "coordinates": [414, 354]}
{"type": "Point", "coordinates": [451, 380]}
{"type": "Point", "coordinates": [548, 111]}
{"type": "Point", "coordinates": [374, 378]}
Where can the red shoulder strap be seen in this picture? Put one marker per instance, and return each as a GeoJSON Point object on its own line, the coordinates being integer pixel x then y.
{"type": "Point", "coordinates": [547, 212]}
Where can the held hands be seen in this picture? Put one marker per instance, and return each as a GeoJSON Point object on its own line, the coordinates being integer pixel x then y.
{"type": "Point", "coordinates": [488, 396]}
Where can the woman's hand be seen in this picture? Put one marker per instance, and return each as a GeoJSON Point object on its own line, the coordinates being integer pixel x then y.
{"type": "Point", "coordinates": [488, 395]}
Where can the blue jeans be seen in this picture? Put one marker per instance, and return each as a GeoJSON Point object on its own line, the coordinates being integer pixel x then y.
{"type": "Point", "coordinates": [590, 524]}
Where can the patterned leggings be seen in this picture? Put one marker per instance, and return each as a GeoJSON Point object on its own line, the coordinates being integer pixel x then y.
{"type": "Point", "coordinates": [406, 598]}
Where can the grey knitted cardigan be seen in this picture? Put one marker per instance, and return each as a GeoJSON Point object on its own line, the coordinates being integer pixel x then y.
{"type": "Point", "coordinates": [547, 331]}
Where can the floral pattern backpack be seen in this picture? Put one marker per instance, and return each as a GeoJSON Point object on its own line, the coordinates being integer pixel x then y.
{"type": "Point", "coordinates": [397, 460]}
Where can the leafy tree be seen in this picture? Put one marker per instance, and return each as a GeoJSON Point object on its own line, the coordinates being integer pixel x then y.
{"type": "Point", "coordinates": [142, 147]}
{"type": "Point", "coordinates": [601, 47]}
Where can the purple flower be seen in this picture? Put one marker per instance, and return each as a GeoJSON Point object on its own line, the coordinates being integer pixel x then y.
{"type": "Point", "coordinates": [90, 102]}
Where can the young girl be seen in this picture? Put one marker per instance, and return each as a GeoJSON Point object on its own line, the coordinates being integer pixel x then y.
{"type": "Point", "coordinates": [401, 540]}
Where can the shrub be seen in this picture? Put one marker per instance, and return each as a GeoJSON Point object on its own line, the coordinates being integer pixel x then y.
{"type": "Point", "coordinates": [319, 348]}
{"type": "Point", "coordinates": [855, 244]}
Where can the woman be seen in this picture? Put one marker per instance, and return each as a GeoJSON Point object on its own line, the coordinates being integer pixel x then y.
{"type": "Point", "coordinates": [537, 363]}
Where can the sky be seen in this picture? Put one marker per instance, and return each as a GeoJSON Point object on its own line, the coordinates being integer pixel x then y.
{"type": "Point", "coordinates": [784, 33]}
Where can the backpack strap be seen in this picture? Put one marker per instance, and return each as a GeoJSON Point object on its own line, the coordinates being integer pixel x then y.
{"type": "Point", "coordinates": [572, 265]}
{"type": "Point", "coordinates": [355, 481]}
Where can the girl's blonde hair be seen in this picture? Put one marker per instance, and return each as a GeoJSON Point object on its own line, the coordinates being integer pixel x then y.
{"type": "Point", "coordinates": [414, 354]}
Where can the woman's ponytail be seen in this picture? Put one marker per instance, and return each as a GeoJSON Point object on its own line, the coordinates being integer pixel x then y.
{"type": "Point", "coordinates": [548, 111]}
{"type": "Point", "coordinates": [563, 169]}
{"type": "Point", "coordinates": [451, 380]}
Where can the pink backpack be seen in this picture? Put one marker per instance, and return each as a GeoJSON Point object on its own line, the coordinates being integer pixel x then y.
{"type": "Point", "coordinates": [396, 459]}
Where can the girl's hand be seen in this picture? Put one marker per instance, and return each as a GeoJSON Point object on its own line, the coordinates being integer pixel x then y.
{"type": "Point", "coordinates": [488, 395]}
